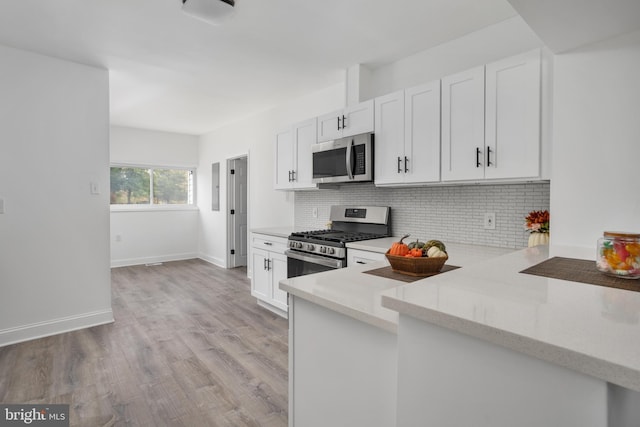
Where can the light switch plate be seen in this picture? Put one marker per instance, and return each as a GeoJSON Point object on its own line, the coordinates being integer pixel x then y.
{"type": "Point", "coordinates": [1, 206]}
{"type": "Point", "coordinates": [94, 187]}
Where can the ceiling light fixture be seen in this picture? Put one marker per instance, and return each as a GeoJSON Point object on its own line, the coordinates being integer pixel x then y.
{"type": "Point", "coordinates": [211, 11]}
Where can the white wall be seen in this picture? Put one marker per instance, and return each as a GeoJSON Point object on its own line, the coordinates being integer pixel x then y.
{"type": "Point", "coordinates": [54, 234]}
{"type": "Point", "coordinates": [489, 44]}
{"type": "Point", "coordinates": [254, 137]}
{"type": "Point", "coordinates": [595, 183]}
{"type": "Point", "coordinates": [164, 233]}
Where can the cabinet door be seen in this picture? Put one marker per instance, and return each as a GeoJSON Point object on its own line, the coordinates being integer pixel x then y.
{"type": "Point", "coordinates": [422, 133]}
{"type": "Point", "coordinates": [358, 119]}
{"type": "Point", "coordinates": [278, 266]}
{"type": "Point", "coordinates": [283, 160]}
{"type": "Point", "coordinates": [513, 117]}
{"type": "Point", "coordinates": [463, 125]}
{"type": "Point", "coordinates": [328, 126]}
{"type": "Point", "coordinates": [304, 137]}
{"type": "Point", "coordinates": [389, 139]}
{"type": "Point", "coordinates": [261, 277]}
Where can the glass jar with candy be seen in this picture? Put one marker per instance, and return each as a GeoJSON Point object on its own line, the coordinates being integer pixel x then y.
{"type": "Point", "coordinates": [618, 254]}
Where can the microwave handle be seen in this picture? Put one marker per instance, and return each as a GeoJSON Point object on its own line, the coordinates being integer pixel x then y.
{"type": "Point", "coordinates": [349, 149]}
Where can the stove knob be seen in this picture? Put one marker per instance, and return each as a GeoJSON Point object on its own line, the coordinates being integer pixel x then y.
{"type": "Point", "coordinates": [331, 251]}
{"type": "Point", "coordinates": [323, 250]}
{"type": "Point", "coordinates": [298, 245]}
{"type": "Point", "coordinates": [292, 244]}
{"type": "Point", "coordinates": [310, 247]}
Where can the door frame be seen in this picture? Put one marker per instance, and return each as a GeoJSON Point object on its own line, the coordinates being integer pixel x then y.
{"type": "Point", "coordinates": [229, 219]}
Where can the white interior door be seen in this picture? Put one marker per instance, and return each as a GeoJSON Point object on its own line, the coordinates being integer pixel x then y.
{"type": "Point", "coordinates": [238, 211]}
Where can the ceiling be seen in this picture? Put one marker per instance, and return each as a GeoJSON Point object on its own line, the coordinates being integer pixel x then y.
{"type": "Point", "coordinates": [567, 24]}
{"type": "Point", "coordinates": [171, 72]}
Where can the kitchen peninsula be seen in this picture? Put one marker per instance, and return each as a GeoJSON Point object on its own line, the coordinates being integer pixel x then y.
{"type": "Point", "coordinates": [509, 348]}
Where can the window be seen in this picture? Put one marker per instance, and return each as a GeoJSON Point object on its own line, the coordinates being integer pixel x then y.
{"type": "Point", "coordinates": [151, 186]}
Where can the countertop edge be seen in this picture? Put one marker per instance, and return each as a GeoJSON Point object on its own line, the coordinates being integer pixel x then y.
{"type": "Point", "coordinates": [342, 309]}
{"type": "Point", "coordinates": [282, 232]}
{"type": "Point", "coordinates": [589, 365]}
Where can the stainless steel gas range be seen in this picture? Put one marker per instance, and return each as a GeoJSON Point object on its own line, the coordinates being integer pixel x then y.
{"type": "Point", "coordinates": [322, 250]}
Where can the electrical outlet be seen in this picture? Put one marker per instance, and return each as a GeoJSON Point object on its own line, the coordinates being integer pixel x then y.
{"type": "Point", "coordinates": [490, 221]}
{"type": "Point", "coordinates": [315, 212]}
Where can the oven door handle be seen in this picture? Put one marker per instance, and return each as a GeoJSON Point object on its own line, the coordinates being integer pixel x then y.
{"type": "Point", "coordinates": [327, 262]}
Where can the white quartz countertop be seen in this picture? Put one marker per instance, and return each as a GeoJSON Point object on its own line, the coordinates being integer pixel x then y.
{"type": "Point", "coordinates": [591, 329]}
{"type": "Point", "coordinates": [356, 294]}
{"type": "Point", "coordinates": [275, 231]}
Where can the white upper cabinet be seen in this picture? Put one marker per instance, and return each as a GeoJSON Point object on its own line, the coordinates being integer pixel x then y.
{"type": "Point", "coordinates": [293, 159]}
{"type": "Point", "coordinates": [512, 124]}
{"type": "Point", "coordinates": [304, 137]}
{"type": "Point", "coordinates": [422, 133]}
{"type": "Point", "coordinates": [407, 136]}
{"type": "Point", "coordinates": [491, 121]}
{"type": "Point", "coordinates": [283, 160]}
{"type": "Point", "coordinates": [463, 125]}
{"type": "Point", "coordinates": [349, 121]}
{"type": "Point", "coordinates": [389, 138]}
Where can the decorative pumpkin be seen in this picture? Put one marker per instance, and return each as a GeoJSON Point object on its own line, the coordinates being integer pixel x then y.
{"type": "Point", "coordinates": [415, 252]}
{"type": "Point", "coordinates": [416, 244]}
{"type": "Point", "coordinates": [399, 248]}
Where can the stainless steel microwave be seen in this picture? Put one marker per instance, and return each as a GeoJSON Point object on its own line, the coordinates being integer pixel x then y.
{"type": "Point", "coordinates": [347, 159]}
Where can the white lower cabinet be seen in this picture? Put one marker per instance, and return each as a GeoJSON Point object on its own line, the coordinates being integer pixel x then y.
{"type": "Point", "coordinates": [342, 372]}
{"type": "Point", "coordinates": [269, 266]}
{"type": "Point", "coordinates": [446, 378]}
{"type": "Point", "coordinates": [359, 257]}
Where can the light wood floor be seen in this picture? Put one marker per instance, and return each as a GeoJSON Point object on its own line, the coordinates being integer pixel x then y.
{"type": "Point", "coordinates": [190, 347]}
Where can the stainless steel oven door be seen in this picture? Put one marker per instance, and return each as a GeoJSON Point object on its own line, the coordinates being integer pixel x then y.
{"type": "Point", "coordinates": [301, 264]}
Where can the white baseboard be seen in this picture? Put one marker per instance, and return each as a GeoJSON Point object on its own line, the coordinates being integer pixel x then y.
{"type": "Point", "coordinates": [276, 310]}
{"type": "Point", "coordinates": [151, 260]}
{"type": "Point", "coordinates": [54, 327]}
{"type": "Point", "coordinates": [213, 260]}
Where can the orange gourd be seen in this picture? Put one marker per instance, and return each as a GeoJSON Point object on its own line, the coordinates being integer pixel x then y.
{"type": "Point", "coordinates": [399, 248]}
{"type": "Point", "coordinates": [415, 252]}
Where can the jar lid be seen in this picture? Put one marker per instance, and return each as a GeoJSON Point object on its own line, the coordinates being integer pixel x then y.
{"type": "Point", "coordinates": [623, 235]}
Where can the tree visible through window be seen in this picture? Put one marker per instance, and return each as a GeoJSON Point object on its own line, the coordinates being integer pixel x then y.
{"type": "Point", "coordinates": [158, 186]}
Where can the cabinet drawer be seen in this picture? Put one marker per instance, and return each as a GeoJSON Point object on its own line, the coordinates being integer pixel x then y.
{"type": "Point", "coordinates": [359, 257]}
{"type": "Point", "coordinates": [269, 243]}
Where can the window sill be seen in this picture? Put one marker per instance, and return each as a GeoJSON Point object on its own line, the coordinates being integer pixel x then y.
{"type": "Point", "coordinates": [152, 208]}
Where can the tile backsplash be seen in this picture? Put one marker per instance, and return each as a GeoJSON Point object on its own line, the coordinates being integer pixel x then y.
{"type": "Point", "coordinates": [453, 213]}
